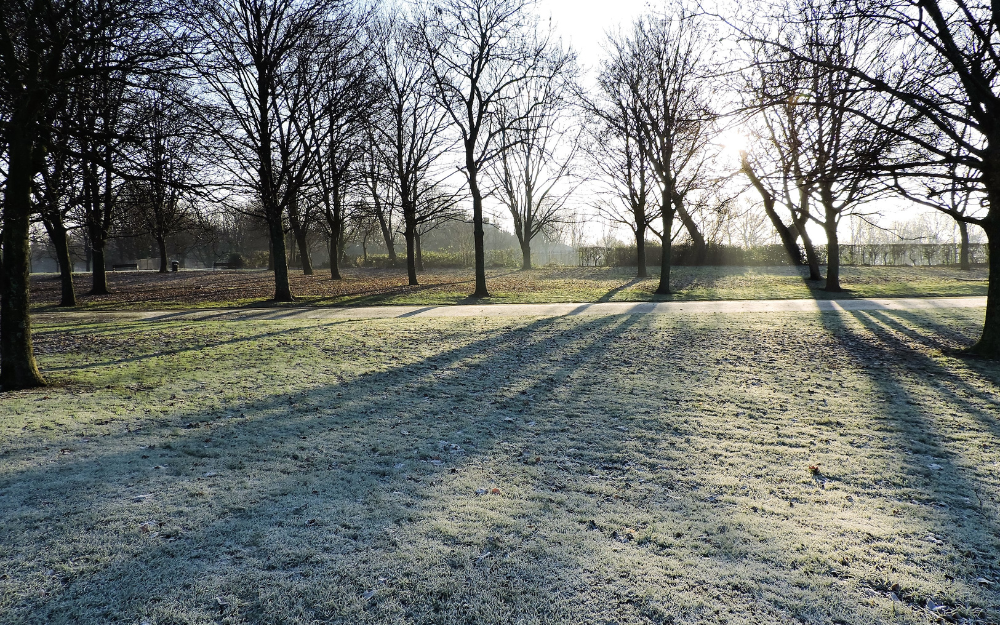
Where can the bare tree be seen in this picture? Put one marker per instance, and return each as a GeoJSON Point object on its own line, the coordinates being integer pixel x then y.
{"type": "Point", "coordinates": [258, 60]}
{"type": "Point", "coordinates": [534, 174]}
{"type": "Point", "coordinates": [55, 193]}
{"type": "Point", "coordinates": [662, 64]}
{"type": "Point", "coordinates": [616, 151]}
{"type": "Point", "coordinates": [166, 162]}
{"type": "Point", "coordinates": [837, 135]}
{"type": "Point", "coordinates": [480, 52]}
{"type": "Point", "coordinates": [410, 135]}
{"type": "Point", "coordinates": [776, 168]}
{"type": "Point", "coordinates": [380, 188]}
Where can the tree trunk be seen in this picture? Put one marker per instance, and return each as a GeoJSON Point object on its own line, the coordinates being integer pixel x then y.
{"type": "Point", "coordinates": [303, 245]}
{"type": "Point", "coordinates": [335, 258]}
{"type": "Point", "coordinates": [989, 343]}
{"type": "Point", "coordinates": [784, 232]}
{"type": "Point", "coordinates": [100, 275]}
{"type": "Point", "coordinates": [162, 244]}
{"type": "Point", "coordinates": [18, 369]}
{"type": "Point", "coordinates": [479, 234]}
{"type": "Point", "coordinates": [420, 253]}
{"type": "Point", "coordinates": [832, 250]}
{"type": "Point", "coordinates": [282, 290]}
{"type": "Point", "coordinates": [60, 240]}
{"type": "Point", "coordinates": [386, 234]}
{"type": "Point", "coordinates": [697, 239]}
{"type": "Point", "coordinates": [963, 262]}
{"type": "Point", "coordinates": [812, 258]}
{"type": "Point", "coordinates": [525, 255]}
{"type": "Point", "coordinates": [640, 255]}
{"type": "Point", "coordinates": [668, 226]}
{"type": "Point", "coordinates": [411, 258]}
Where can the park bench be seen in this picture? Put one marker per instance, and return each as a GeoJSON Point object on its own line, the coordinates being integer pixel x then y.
{"type": "Point", "coordinates": [125, 267]}
{"type": "Point", "coordinates": [222, 266]}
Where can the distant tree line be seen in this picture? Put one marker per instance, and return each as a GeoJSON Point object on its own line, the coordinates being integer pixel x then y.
{"type": "Point", "coordinates": [336, 119]}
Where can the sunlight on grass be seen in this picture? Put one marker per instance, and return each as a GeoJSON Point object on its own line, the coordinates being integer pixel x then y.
{"type": "Point", "coordinates": [626, 469]}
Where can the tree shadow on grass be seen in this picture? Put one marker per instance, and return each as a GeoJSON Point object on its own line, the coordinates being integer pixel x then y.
{"type": "Point", "coordinates": [285, 519]}
{"type": "Point", "coordinates": [935, 464]}
{"type": "Point", "coordinates": [618, 500]}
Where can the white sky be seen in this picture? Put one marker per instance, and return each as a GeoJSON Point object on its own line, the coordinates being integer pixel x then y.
{"type": "Point", "coordinates": [583, 23]}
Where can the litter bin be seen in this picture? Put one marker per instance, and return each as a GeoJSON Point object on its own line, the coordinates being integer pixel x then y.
{"type": "Point", "coordinates": [174, 265]}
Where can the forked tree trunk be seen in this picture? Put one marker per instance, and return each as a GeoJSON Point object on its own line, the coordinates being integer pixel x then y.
{"type": "Point", "coordinates": [303, 245]}
{"type": "Point", "coordinates": [386, 234]}
{"type": "Point", "coordinates": [812, 258]}
{"type": "Point", "coordinates": [697, 239]}
{"type": "Point", "coordinates": [784, 232]}
{"type": "Point", "coordinates": [18, 369]}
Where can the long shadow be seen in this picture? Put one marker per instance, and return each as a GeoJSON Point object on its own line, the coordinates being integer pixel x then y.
{"type": "Point", "coordinates": [927, 465]}
{"type": "Point", "coordinates": [618, 289]}
{"type": "Point", "coordinates": [342, 533]}
{"type": "Point", "coordinates": [123, 588]}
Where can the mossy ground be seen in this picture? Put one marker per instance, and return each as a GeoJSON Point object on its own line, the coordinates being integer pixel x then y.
{"type": "Point", "coordinates": [371, 287]}
{"type": "Point", "coordinates": [619, 469]}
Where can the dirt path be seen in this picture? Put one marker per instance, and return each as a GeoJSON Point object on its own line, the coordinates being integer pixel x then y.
{"type": "Point", "coordinates": [537, 310]}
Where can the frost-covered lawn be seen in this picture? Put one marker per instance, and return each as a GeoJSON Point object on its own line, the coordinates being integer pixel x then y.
{"type": "Point", "coordinates": [147, 290]}
{"type": "Point", "coordinates": [780, 468]}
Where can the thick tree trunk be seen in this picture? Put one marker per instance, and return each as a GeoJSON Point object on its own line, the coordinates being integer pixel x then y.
{"type": "Point", "coordinates": [18, 369]}
{"type": "Point", "coordinates": [832, 251]}
{"type": "Point", "coordinates": [479, 234]}
{"type": "Point", "coordinates": [525, 255]}
{"type": "Point", "coordinates": [963, 255]}
{"type": "Point", "coordinates": [100, 274]}
{"type": "Point", "coordinates": [60, 240]}
{"type": "Point", "coordinates": [162, 244]}
{"type": "Point", "coordinates": [282, 289]}
{"type": "Point", "coordinates": [335, 258]}
{"type": "Point", "coordinates": [640, 255]}
{"type": "Point", "coordinates": [989, 343]}
{"type": "Point", "coordinates": [411, 256]}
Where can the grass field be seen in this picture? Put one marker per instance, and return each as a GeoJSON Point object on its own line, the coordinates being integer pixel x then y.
{"type": "Point", "coordinates": [779, 468]}
{"type": "Point", "coordinates": [366, 287]}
